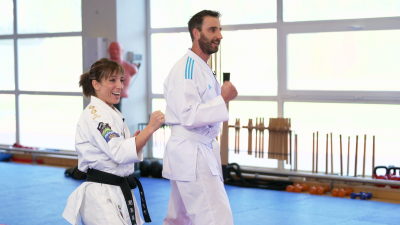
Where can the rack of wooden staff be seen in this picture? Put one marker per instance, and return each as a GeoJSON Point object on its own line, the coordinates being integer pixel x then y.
{"type": "Point", "coordinates": [280, 137]}
{"type": "Point", "coordinates": [315, 154]}
{"type": "Point", "coordinates": [278, 128]}
{"type": "Point", "coordinates": [237, 135]}
{"type": "Point", "coordinates": [259, 137]}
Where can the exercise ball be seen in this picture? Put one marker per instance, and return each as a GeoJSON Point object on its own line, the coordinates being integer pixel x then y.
{"type": "Point", "coordinates": [156, 169]}
{"type": "Point", "coordinates": [144, 168]}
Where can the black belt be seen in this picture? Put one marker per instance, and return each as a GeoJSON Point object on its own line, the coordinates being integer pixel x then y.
{"type": "Point", "coordinates": [126, 184]}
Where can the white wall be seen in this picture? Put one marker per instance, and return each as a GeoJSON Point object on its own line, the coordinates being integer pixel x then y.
{"type": "Point", "coordinates": [99, 19]}
{"type": "Point", "coordinates": [131, 33]}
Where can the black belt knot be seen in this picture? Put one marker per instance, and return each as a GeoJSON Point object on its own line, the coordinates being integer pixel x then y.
{"type": "Point", "coordinates": [126, 184]}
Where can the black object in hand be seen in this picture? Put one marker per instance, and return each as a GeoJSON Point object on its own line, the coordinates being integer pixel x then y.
{"type": "Point", "coordinates": [227, 76]}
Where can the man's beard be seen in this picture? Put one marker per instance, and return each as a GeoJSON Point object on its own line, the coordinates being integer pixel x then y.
{"type": "Point", "coordinates": [206, 45]}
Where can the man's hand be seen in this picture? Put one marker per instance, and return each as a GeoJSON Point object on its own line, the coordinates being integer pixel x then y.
{"type": "Point", "coordinates": [157, 119]}
{"type": "Point", "coordinates": [228, 91]}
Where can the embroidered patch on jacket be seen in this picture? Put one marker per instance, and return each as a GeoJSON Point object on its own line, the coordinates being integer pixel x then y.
{"type": "Point", "coordinates": [209, 87]}
{"type": "Point", "coordinates": [94, 111]}
{"type": "Point", "coordinates": [106, 132]}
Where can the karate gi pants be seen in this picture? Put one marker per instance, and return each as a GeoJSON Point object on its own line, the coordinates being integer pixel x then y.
{"type": "Point", "coordinates": [100, 206]}
{"type": "Point", "coordinates": [200, 202]}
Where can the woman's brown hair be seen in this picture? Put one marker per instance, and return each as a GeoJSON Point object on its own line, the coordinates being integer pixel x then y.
{"type": "Point", "coordinates": [101, 69]}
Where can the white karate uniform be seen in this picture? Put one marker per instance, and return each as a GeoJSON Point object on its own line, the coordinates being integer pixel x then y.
{"type": "Point", "coordinates": [103, 143]}
{"type": "Point", "coordinates": [192, 161]}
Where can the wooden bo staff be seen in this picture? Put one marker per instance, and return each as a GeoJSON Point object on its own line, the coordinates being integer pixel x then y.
{"type": "Point", "coordinates": [295, 152]}
{"type": "Point", "coordinates": [373, 154]}
{"type": "Point", "coordinates": [355, 166]}
{"type": "Point", "coordinates": [250, 128]}
{"type": "Point", "coordinates": [272, 139]}
{"type": "Point", "coordinates": [348, 156]}
{"type": "Point", "coordinates": [278, 144]}
{"type": "Point", "coordinates": [365, 152]}
{"type": "Point", "coordinates": [290, 147]}
{"type": "Point", "coordinates": [313, 151]}
{"type": "Point", "coordinates": [261, 128]}
{"type": "Point", "coordinates": [331, 155]}
{"type": "Point", "coordinates": [341, 156]}
{"type": "Point", "coordinates": [316, 156]}
{"type": "Point", "coordinates": [287, 125]}
{"type": "Point", "coordinates": [255, 147]}
{"type": "Point", "coordinates": [237, 134]}
{"type": "Point", "coordinates": [326, 158]}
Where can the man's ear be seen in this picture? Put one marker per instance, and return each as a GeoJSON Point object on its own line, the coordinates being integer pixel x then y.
{"type": "Point", "coordinates": [196, 34]}
{"type": "Point", "coordinates": [96, 85]}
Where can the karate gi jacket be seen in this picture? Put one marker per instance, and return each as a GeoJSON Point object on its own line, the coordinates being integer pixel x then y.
{"type": "Point", "coordinates": [194, 102]}
{"type": "Point", "coordinates": [103, 143]}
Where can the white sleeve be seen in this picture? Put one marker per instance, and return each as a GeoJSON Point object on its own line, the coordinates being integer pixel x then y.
{"type": "Point", "coordinates": [190, 109]}
{"type": "Point", "coordinates": [120, 150]}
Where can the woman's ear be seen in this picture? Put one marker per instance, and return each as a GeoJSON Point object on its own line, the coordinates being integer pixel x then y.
{"type": "Point", "coordinates": [96, 85]}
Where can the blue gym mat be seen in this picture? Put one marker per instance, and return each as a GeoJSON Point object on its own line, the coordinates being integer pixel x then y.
{"type": "Point", "coordinates": [32, 195]}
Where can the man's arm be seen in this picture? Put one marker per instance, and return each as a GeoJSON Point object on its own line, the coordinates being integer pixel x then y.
{"type": "Point", "coordinates": [184, 98]}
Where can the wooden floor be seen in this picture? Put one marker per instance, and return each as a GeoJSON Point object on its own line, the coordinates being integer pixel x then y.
{"type": "Point", "coordinates": [32, 194]}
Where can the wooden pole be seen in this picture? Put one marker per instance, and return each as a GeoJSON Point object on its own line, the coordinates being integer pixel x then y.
{"type": "Point", "coordinates": [255, 147]}
{"type": "Point", "coordinates": [373, 154]}
{"type": "Point", "coordinates": [331, 155]}
{"type": "Point", "coordinates": [313, 151]}
{"type": "Point", "coordinates": [259, 139]}
{"type": "Point", "coordinates": [250, 144]}
{"type": "Point", "coordinates": [365, 152]}
{"type": "Point", "coordinates": [316, 156]}
{"type": "Point", "coordinates": [341, 156]}
{"type": "Point", "coordinates": [263, 139]}
{"type": "Point", "coordinates": [326, 157]}
{"type": "Point", "coordinates": [355, 166]}
{"type": "Point", "coordinates": [348, 156]}
{"type": "Point", "coordinates": [296, 152]}
{"type": "Point", "coordinates": [290, 147]}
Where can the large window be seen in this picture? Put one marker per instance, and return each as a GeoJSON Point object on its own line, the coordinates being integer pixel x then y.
{"type": "Point", "coordinates": [253, 67]}
{"type": "Point", "coordinates": [7, 119]}
{"type": "Point", "coordinates": [348, 120]}
{"type": "Point", "coordinates": [41, 61]}
{"type": "Point", "coordinates": [176, 13]}
{"type": "Point", "coordinates": [6, 17]}
{"type": "Point", "coordinates": [328, 65]}
{"type": "Point", "coordinates": [7, 64]}
{"type": "Point", "coordinates": [312, 10]}
{"type": "Point", "coordinates": [352, 61]}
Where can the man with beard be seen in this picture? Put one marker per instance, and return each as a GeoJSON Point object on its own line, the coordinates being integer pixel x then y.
{"type": "Point", "coordinates": [196, 106]}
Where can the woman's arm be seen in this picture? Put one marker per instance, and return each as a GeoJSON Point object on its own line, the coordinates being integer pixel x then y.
{"type": "Point", "coordinates": [157, 119]}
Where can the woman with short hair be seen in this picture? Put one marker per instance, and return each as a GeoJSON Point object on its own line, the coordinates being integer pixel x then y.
{"type": "Point", "coordinates": [107, 153]}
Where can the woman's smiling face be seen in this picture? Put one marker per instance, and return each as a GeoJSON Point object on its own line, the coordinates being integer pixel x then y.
{"type": "Point", "coordinates": [109, 90]}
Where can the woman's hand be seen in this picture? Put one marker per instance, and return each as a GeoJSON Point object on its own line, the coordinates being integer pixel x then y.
{"type": "Point", "coordinates": [157, 119]}
{"type": "Point", "coordinates": [136, 133]}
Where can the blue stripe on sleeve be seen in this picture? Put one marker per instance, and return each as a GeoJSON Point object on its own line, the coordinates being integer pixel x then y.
{"type": "Point", "coordinates": [191, 72]}
{"type": "Point", "coordinates": [190, 64]}
{"type": "Point", "coordinates": [186, 69]}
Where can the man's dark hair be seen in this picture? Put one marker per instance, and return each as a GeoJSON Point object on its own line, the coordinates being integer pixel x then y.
{"type": "Point", "coordinates": [197, 20]}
